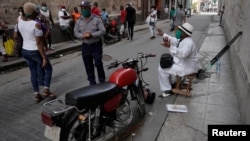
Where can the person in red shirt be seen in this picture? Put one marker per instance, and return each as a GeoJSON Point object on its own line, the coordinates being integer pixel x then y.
{"type": "Point", "coordinates": [123, 21]}
{"type": "Point", "coordinates": [95, 10]}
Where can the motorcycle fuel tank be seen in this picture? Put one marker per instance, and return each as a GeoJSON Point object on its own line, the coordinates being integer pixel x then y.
{"type": "Point", "coordinates": [123, 77]}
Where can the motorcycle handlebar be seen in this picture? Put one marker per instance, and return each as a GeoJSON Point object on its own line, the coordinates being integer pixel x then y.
{"type": "Point", "coordinates": [140, 55]}
{"type": "Point", "coordinates": [113, 64]}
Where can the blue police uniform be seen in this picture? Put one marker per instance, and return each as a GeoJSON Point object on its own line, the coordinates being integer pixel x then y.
{"type": "Point", "coordinates": [92, 50]}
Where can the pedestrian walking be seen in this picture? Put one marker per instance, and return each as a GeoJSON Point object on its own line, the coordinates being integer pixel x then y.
{"type": "Point", "coordinates": [90, 29]}
{"type": "Point", "coordinates": [48, 20]}
{"type": "Point", "coordinates": [172, 18]}
{"type": "Point", "coordinates": [122, 21]}
{"type": "Point", "coordinates": [166, 11]}
{"type": "Point", "coordinates": [130, 19]}
{"type": "Point", "coordinates": [3, 27]}
{"type": "Point", "coordinates": [184, 53]}
{"type": "Point", "coordinates": [221, 14]}
{"type": "Point", "coordinates": [179, 17]}
{"type": "Point", "coordinates": [152, 21]}
{"type": "Point", "coordinates": [33, 51]}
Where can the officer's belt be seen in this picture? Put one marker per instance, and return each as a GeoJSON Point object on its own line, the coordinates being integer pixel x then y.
{"type": "Point", "coordinates": [95, 43]}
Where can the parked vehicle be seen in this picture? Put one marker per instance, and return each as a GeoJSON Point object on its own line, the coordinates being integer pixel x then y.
{"type": "Point", "coordinates": [112, 32]}
{"type": "Point", "coordinates": [98, 112]}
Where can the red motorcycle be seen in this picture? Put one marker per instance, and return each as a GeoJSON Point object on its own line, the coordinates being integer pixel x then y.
{"type": "Point", "coordinates": [97, 112]}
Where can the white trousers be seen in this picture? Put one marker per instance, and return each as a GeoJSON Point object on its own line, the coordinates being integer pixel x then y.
{"type": "Point", "coordinates": [2, 49]}
{"type": "Point", "coordinates": [164, 80]}
{"type": "Point", "coordinates": [167, 76]}
{"type": "Point", "coordinates": [122, 29]}
{"type": "Point", "coordinates": [152, 30]}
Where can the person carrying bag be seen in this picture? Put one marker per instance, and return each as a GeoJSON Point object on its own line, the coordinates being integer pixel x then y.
{"type": "Point", "coordinates": [152, 19]}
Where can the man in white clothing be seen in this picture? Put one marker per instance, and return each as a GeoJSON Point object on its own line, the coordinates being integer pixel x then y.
{"type": "Point", "coordinates": [166, 11]}
{"type": "Point", "coordinates": [184, 51]}
{"type": "Point", "coordinates": [64, 22]}
{"type": "Point", "coordinates": [152, 21]}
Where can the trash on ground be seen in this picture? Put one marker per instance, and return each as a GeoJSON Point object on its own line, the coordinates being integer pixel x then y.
{"type": "Point", "coordinates": [176, 108]}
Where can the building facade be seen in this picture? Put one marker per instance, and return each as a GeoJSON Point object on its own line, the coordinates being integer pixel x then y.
{"type": "Point", "coordinates": [236, 18]}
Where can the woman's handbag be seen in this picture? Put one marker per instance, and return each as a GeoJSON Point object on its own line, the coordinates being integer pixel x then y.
{"type": "Point", "coordinates": [166, 61]}
{"type": "Point", "coordinates": [9, 46]}
{"type": "Point", "coordinates": [152, 23]}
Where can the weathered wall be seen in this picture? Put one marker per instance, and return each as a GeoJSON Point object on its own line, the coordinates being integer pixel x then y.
{"type": "Point", "coordinates": [9, 8]}
{"type": "Point", "coordinates": [9, 11]}
{"type": "Point", "coordinates": [237, 18]}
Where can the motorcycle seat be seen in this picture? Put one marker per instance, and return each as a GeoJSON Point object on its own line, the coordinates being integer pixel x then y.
{"type": "Point", "coordinates": [91, 96]}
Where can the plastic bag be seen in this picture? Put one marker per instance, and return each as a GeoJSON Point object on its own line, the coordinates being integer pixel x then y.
{"type": "Point", "coordinates": [122, 28]}
{"type": "Point", "coordinates": [148, 20]}
{"type": "Point", "coordinates": [9, 46]}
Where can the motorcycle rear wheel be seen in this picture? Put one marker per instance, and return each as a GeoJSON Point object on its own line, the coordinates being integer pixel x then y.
{"type": "Point", "coordinates": [72, 129]}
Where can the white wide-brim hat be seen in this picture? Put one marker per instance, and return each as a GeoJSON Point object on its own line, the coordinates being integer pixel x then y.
{"type": "Point", "coordinates": [187, 28]}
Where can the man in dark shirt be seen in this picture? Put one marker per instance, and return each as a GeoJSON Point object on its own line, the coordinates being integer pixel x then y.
{"type": "Point", "coordinates": [130, 19]}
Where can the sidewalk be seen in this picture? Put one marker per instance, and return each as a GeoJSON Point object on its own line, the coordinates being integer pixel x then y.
{"type": "Point", "coordinates": [213, 100]}
{"type": "Point", "coordinates": [60, 48]}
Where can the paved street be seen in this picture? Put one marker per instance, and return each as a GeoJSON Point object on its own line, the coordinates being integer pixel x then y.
{"type": "Point", "coordinates": [20, 116]}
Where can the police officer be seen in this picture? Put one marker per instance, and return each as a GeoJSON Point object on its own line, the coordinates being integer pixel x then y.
{"type": "Point", "coordinates": [90, 29]}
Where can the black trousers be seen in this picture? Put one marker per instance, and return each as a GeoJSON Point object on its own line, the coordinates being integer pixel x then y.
{"type": "Point", "coordinates": [92, 57]}
{"type": "Point", "coordinates": [130, 27]}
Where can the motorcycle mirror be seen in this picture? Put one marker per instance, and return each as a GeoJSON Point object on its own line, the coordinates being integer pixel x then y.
{"type": "Point", "coordinates": [106, 57]}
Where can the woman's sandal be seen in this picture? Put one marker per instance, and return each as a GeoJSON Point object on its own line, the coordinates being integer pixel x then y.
{"type": "Point", "coordinates": [38, 98]}
{"type": "Point", "coordinates": [49, 94]}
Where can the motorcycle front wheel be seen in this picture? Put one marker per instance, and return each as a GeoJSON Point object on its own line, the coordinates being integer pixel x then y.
{"type": "Point", "coordinates": [141, 101]}
{"type": "Point", "coordinates": [72, 129]}
{"type": "Point", "coordinates": [137, 94]}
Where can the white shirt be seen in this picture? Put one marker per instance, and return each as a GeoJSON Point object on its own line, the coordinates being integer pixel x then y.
{"type": "Point", "coordinates": [153, 13]}
{"type": "Point", "coordinates": [185, 56]}
{"type": "Point", "coordinates": [29, 33]}
{"type": "Point", "coordinates": [166, 10]}
{"type": "Point", "coordinates": [63, 22]}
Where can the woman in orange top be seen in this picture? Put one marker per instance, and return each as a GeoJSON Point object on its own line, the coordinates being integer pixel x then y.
{"type": "Point", "coordinates": [75, 15]}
